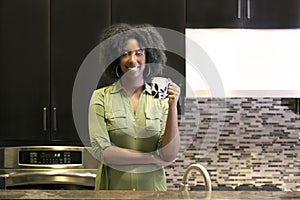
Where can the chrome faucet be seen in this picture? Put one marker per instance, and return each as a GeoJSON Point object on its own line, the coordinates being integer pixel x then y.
{"type": "Point", "coordinates": [202, 170]}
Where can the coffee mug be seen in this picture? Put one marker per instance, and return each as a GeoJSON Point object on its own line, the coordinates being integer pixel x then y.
{"type": "Point", "coordinates": [159, 87]}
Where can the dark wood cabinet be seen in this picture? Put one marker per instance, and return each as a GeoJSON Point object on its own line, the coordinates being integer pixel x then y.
{"type": "Point", "coordinates": [166, 13]}
{"type": "Point", "coordinates": [243, 13]}
{"type": "Point", "coordinates": [272, 14]}
{"type": "Point", "coordinates": [76, 26]}
{"type": "Point", "coordinates": [24, 70]}
{"type": "Point", "coordinates": [214, 13]}
{"type": "Point", "coordinates": [42, 45]}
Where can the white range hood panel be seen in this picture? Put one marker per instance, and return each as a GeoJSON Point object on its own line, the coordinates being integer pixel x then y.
{"type": "Point", "coordinates": [250, 62]}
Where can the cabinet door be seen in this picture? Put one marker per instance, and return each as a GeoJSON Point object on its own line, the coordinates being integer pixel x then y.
{"type": "Point", "coordinates": [167, 14]}
{"type": "Point", "coordinates": [214, 13]}
{"type": "Point", "coordinates": [75, 29]}
{"type": "Point", "coordinates": [24, 71]}
{"type": "Point", "coordinates": [272, 14]}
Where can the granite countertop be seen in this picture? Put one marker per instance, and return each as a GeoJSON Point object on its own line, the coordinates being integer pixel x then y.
{"type": "Point", "coordinates": [90, 194]}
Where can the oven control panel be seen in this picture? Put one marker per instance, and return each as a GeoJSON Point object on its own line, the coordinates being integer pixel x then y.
{"type": "Point", "coordinates": [40, 157]}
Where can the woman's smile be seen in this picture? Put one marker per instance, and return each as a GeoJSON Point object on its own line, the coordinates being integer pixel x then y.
{"type": "Point", "coordinates": [134, 68]}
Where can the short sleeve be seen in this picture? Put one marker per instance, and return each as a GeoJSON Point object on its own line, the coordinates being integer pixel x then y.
{"type": "Point", "coordinates": [99, 136]}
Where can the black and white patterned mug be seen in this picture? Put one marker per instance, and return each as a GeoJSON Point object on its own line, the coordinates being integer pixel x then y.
{"type": "Point", "coordinates": [159, 87]}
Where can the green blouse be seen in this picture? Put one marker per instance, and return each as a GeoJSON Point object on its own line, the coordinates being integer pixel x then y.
{"type": "Point", "coordinates": [112, 122]}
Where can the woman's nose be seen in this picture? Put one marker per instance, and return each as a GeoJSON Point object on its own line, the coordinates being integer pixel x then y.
{"type": "Point", "coordinates": [132, 58]}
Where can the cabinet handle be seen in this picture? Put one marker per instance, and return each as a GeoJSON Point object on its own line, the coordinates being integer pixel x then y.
{"type": "Point", "coordinates": [239, 9]}
{"type": "Point", "coordinates": [54, 119]}
{"type": "Point", "coordinates": [44, 119]}
{"type": "Point", "coordinates": [248, 9]}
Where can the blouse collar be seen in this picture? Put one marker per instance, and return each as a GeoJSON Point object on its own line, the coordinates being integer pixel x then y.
{"type": "Point", "coordinates": [117, 87]}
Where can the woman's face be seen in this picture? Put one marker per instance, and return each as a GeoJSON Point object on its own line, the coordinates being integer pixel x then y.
{"type": "Point", "coordinates": [133, 60]}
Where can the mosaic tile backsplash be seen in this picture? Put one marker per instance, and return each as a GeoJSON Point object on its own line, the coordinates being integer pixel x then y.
{"type": "Point", "coordinates": [241, 142]}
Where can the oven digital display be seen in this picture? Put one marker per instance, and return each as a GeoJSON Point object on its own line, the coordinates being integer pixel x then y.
{"type": "Point", "coordinates": [47, 155]}
{"type": "Point", "coordinates": [50, 157]}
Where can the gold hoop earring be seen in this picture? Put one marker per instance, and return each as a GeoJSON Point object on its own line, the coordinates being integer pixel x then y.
{"type": "Point", "coordinates": [117, 73]}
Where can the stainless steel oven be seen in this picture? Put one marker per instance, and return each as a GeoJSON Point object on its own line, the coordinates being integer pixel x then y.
{"type": "Point", "coordinates": [47, 167]}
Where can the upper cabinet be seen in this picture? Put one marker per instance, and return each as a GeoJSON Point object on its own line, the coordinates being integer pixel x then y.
{"type": "Point", "coordinates": [243, 13]}
{"type": "Point", "coordinates": [166, 13]}
{"type": "Point", "coordinates": [24, 71]}
{"type": "Point", "coordinates": [214, 13]}
{"type": "Point", "coordinates": [76, 26]}
{"type": "Point", "coordinates": [272, 14]}
{"type": "Point", "coordinates": [42, 46]}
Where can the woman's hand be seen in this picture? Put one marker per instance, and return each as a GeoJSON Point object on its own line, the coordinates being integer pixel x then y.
{"type": "Point", "coordinates": [173, 93]}
{"type": "Point", "coordinates": [172, 165]}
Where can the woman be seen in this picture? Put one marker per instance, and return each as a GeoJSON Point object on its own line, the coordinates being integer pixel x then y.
{"type": "Point", "coordinates": [133, 135]}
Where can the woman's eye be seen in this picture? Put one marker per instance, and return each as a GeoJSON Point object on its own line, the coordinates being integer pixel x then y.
{"type": "Point", "coordinates": [139, 53]}
{"type": "Point", "coordinates": [125, 54]}
{"type": "Point", "coordinates": [136, 53]}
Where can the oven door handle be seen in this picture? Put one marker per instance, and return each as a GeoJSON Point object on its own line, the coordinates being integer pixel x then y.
{"type": "Point", "coordinates": [4, 175]}
{"type": "Point", "coordinates": [51, 173]}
